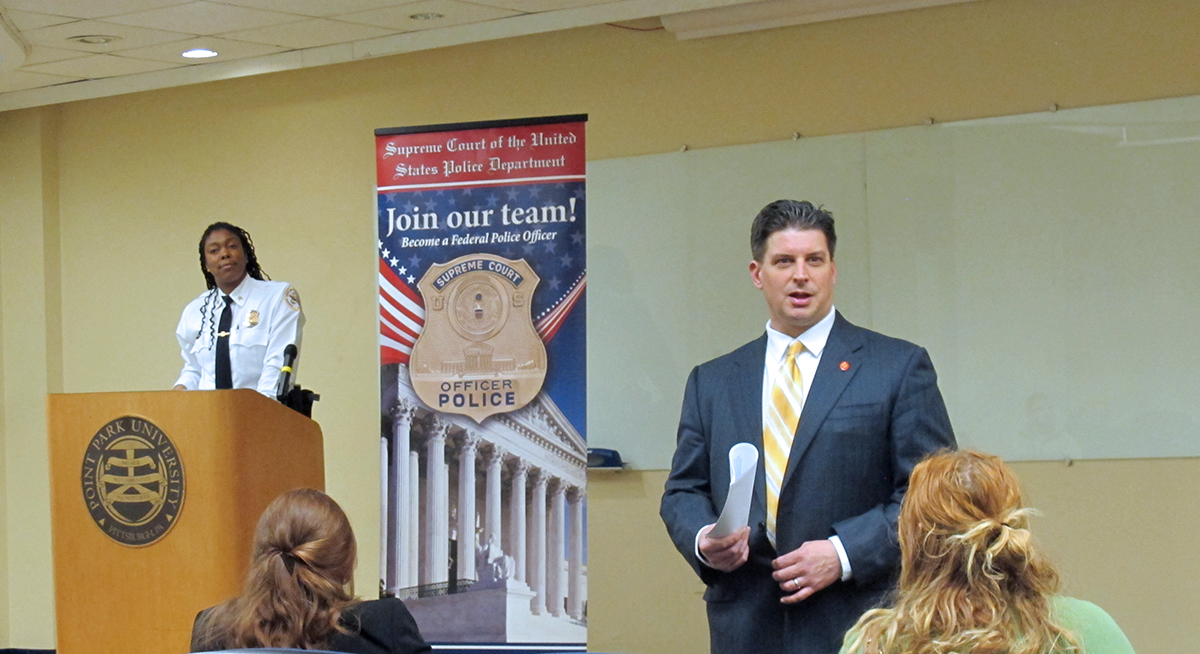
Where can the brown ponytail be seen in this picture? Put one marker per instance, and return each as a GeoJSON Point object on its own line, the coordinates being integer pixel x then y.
{"type": "Point", "coordinates": [295, 593]}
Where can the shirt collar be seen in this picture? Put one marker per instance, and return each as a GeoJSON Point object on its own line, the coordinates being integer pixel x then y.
{"type": "Point", "coordinates": [814, 338]}
{"type": "Point", "coordinates": [239, 294]}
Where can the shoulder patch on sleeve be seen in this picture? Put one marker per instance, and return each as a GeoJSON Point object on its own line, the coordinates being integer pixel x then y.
{"type": "Point", "coordinates": [292, 298]}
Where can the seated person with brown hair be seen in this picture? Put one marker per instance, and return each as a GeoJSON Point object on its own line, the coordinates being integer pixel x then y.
{"type": "Point", "coordinates": [295, 595]}
{"type": "Point", "coordinates": [971, 579]}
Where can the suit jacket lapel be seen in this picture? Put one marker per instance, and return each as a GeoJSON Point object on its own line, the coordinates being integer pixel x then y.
{"type": "Point", "coordinates": [827, 387]}
{"type": "Point", "coordinates": [747, 405]}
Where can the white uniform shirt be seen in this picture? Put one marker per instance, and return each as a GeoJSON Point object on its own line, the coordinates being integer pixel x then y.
{"type": "Point", "coordinates": [266, 319]}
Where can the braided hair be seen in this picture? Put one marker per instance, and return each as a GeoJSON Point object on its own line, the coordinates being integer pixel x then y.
{"type": "Point", "coordinates": [211, 305]}
{"type": "Point", "coordinates": [208, 316]}
{"type": "Point", "coordinates": [252, 267]}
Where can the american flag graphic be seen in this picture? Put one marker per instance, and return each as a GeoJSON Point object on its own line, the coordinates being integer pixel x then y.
{"type": "Point", "coordinates": [401, 314]}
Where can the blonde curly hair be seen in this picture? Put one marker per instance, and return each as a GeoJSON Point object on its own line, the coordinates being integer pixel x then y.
{"type": "Point", "coordinates": [971, 579]}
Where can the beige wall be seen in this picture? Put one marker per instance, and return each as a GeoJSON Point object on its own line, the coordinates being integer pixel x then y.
{"type": "Point", "coordinates": [28, 368]}
{"type": "Point", "coordinates": [101, 202]}
{"type": "Point", "coordinates": [1121, 533]}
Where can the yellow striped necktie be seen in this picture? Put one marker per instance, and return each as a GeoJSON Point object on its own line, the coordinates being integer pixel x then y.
{"type": "Point", "coordinates": [783, 416]}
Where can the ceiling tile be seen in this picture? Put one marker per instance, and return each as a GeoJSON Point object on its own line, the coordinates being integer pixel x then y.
{"type": "Point", "coordinates": [97, 66]}
{"type": "Point", "coordinates": [88, 8]}
{"type": "Point", "coordinates": [30, 20]}
{"type": "Point", "coordinates": [326, 31]}
{"type": "Point", "coordinates": [171, 52]}
{"type": "Point", "coordinates": [204, 18]}
{"type": "Point", "coordinates": [316, 8]}
{"type": "Point", "coordinates": [452, 11]}
{"type": "Point", "coordinates": [56, 36]}
{"type": "Point", "coordinates": [41, 54]}
{"type": "Point", "coordinates": [310, 33]}
{"type": "Point", "coordinates": [538, 6]}
{"type": "Point", "coordinates": [18, 80]}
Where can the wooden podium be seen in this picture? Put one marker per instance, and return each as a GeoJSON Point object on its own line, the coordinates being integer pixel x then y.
{"type": "Point", "coordinates": [234, 452]}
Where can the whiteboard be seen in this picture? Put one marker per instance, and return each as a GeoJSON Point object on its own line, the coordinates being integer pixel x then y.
{"type": "Point", "coordinates": [1048, 262]}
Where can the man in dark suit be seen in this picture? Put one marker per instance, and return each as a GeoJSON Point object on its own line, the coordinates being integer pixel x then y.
{"type": "Point", "coordinates": [821, 544]}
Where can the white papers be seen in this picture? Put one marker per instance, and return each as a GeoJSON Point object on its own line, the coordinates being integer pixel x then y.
{"type": "Point", "coordinates": [743, 466]}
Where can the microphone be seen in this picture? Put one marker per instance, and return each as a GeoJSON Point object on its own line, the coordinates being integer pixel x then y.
{"type": "Point", "coordinates": [285, 373]}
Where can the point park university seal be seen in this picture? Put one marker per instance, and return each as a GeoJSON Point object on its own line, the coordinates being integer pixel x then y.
{"type": "Point", "coordinates": [479, 353]}
{"type": "Point", "coordinates": [133, 482]}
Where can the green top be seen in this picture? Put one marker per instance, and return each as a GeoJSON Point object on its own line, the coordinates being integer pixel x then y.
{"type": "Point", "coordinates": [1097, 632]}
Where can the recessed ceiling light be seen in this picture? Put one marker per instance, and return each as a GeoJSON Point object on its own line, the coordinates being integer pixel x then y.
{"type": "Point", "coordinates": [428, 15]}
{"type": "Point", "coordinates": [94, 39]}
{"type": "Point", "coordinates": [200, 53]}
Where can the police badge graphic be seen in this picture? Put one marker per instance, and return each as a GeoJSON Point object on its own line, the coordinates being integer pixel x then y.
{"type": "Point", "coordinates": [479, 353]}
{"type": "Point", "coordinates": [133, 482]}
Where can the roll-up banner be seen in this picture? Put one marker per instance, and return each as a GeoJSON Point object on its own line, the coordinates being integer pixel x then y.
{"type": "Point", "coordinates": [482, 360]}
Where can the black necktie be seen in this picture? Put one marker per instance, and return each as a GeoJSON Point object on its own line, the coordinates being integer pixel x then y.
{"type": "Point", "coordinates": [224, 372]}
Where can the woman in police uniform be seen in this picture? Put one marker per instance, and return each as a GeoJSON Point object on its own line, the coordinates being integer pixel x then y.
{"type": "Point", "coordinates": [234, 334]}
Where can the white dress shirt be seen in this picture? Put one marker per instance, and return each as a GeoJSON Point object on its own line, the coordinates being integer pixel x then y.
{"type": "Point", "coordinates": [814, 340]}
{"type": "Point", "coordinates": [266, 318]}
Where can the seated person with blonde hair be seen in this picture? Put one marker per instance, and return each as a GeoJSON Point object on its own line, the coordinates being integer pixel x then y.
{"type": "Point", "coordinates": [295, 595]}
{"type": "Point", "coordinates": [971, 579]}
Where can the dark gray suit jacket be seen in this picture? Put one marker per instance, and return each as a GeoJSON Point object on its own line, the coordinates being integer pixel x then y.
{"type": "Point", "coordinates": [872, 412]}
